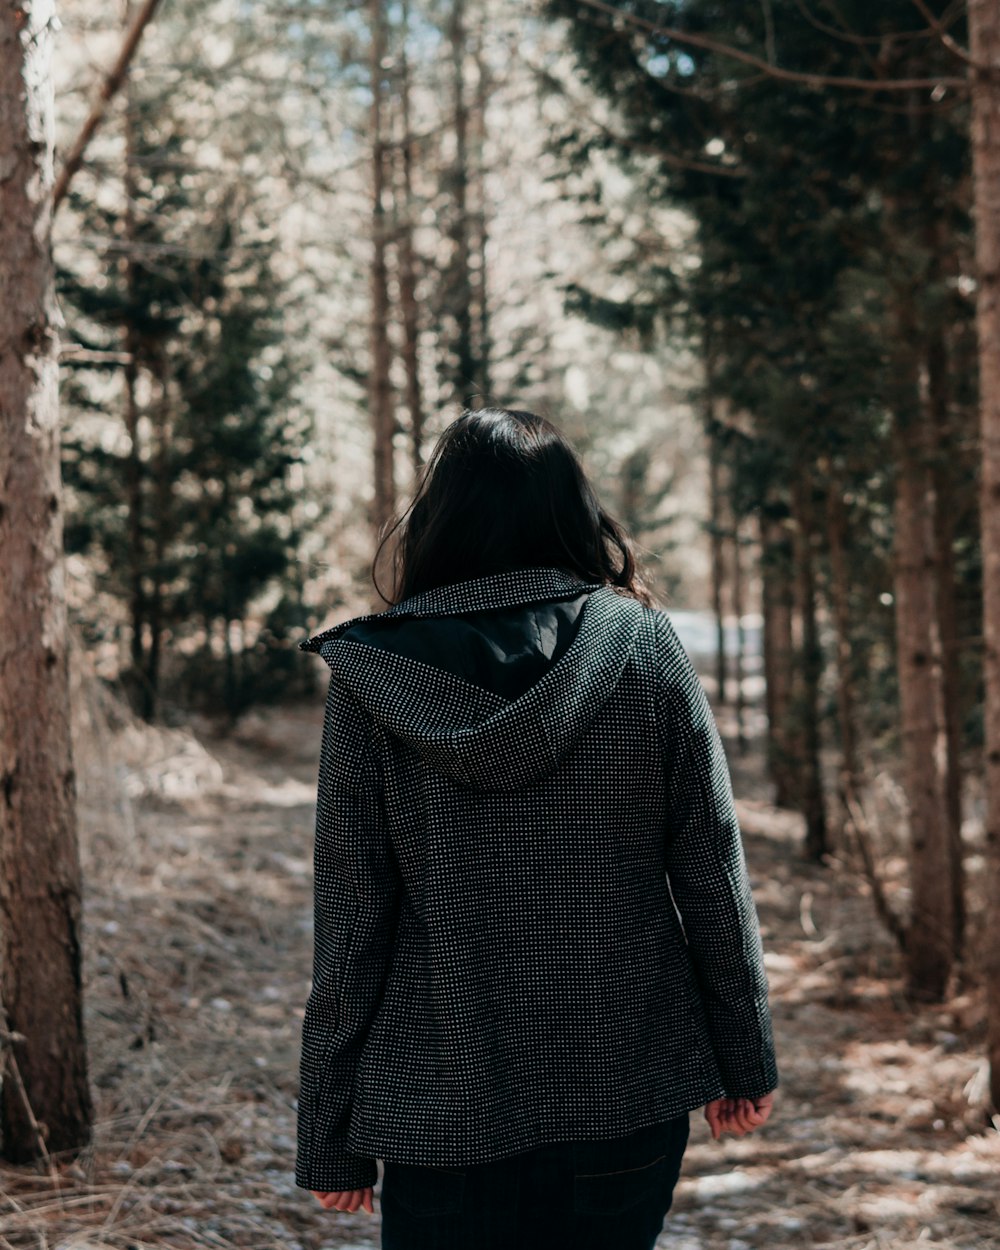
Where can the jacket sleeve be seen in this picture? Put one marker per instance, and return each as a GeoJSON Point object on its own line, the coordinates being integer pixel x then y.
{"type": "Point", "coordinates": [356, 897]}
{"type": "Point", "coordinates": [707, 871]}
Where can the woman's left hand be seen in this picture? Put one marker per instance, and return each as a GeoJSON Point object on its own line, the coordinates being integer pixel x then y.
{"type": "Point", "coordinates": [346, 1199]}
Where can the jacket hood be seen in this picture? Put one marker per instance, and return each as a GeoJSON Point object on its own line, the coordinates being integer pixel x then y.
{"type": "Point", "coordinates": [475, 735]}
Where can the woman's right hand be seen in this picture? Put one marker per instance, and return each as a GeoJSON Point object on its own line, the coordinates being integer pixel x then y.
{"type": "Point", "coordinates": [738, 1116]}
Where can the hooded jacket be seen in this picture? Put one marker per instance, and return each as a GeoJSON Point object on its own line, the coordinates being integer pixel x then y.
{"type": "Point", "coordinates": [533, 919]}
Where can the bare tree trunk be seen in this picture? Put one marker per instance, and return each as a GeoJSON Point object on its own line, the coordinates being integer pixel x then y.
{"type": "Point", "coordinates": [163, 488]}
{"type": "Point", "coordinates": [984, 34]}
{"type": "Point", "coordinates": [943, 528]}
{"type": "Point", "coordinates": [406, 256]}
{"type": "Point", "coordinates": [777, 608]}
{"type": "Point", "coordinates": [808, 673]}
{"type": "Point", "coordinates": [134, 472]}
{"type": "Point", "coordinates": [479, 273]}
{"type": "Point", "coordinates": [739, 610]}
{"type": "Point", "coordinates": [461, 291]}
{"type": "Point", "coordinates": [838, 542]}
{"type": "Point", "coordinates": [45, 1103]}
{"type": "Point", "coordinates": [380, 399]}
{"type": "Point", "coordinates": [930, 932]}
{"type": "Point", "coordinates": [716, 504]}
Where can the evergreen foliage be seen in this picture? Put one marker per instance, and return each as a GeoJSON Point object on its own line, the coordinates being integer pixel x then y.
{"type": "Point", "coordinates": [206, 533]}
{"type": "Point", "coordinates": [831, 230]}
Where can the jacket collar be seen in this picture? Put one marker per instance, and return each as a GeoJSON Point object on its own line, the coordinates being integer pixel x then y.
{"type": "Point", "coordinates": [496, 590]}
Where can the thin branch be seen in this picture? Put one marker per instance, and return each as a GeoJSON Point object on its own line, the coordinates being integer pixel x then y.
{"type": "Point", "coordinates": [847, 35]}
{"type": "Point", "coordinates": [112, 82]}
{"type": "Point", "coordinates": [774, 71]}
{"type": "Point", "coordinates": [953, 46]}
{"type": "Point", "coordinates": [74, 354]}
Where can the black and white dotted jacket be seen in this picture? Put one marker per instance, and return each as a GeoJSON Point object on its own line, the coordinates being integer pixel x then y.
{"type": "Point", "coordinates": [533, 920]}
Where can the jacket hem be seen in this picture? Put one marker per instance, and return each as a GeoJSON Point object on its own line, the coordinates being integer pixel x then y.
{"type": "Point", "coordinates": [388, 1146]}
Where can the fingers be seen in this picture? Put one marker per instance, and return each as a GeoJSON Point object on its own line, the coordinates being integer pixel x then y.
{"type": "Point", "coordinates": [346, 1200]}
{"type": "Point", "coordinates": [743, 1115]}
{"type": "Point", "coordinates": [738, 1116]}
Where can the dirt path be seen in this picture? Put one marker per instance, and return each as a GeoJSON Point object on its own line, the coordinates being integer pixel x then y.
{"type": "Point", "coordinates": [198, 959]}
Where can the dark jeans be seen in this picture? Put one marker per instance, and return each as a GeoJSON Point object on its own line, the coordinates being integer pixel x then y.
{"type": "Point", "coordinates": [576, 1195]}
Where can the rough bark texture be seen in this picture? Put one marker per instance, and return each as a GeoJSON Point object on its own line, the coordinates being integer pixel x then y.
{"type": "Point", "coordinates": [458, 183]}
{"type": "Point", "coordinates": [479, 274]}
{"type": "Point", "coordinates": [406, 255]}
{"type": "Point", "coordinates": [918, 658]}
{"type": "Point", "coordinates": [777, 606]}
{"type": "Point", "coordinates": [739, 611]}
{"type": "Point", "coordinates": [380, 399]}
{"type": "Point", "coordinates": [984, 31]}
{"type": "Point", "coordinates": [807, 675]}
{"type": "Point", "coordinates": [45, 1102]}
{"type": "Point", "coordinates": [838, 542]}
{"type": "Point", "coordinates": [944, 485]}
{"type": "Point", "coordinates": [715, 500]}
{"type": "Point", "coordinates": [135, 471]}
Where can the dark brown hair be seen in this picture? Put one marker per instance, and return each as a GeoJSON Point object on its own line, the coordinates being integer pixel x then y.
{"type": "Point", "coordinates": [503, 490]}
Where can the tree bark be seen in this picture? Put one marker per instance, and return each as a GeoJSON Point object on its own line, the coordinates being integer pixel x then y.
{"type": "Point", "coordinates": [380, 399]}
{"type": "Point", "coordinates": [134, 467]}
{"type": "Point", "coordinates": [715, 503]}
{"type": "Point", "coordinates": [458, 182]}
{"type": "Point", "coordinates": [808, 674]}
{"type": "Point", "coordinates": [984, 33]}
{"type": "Point", "coordinates": [162, 498]}
{"type": "Point", "coordinates": [930, 932]}
{"type": "Point", "coordinates": [943, 488]}
{"type": "Point", "coordinates": [838, 542]}
{"type": "Point", "coordinates": [45, 1103]}
{"type": "Point", "coordinates": [479, 230]}
{"type": "Point", "coordinates": [406, 256]}
{"type": "Point", "coordinates": [739, 610]}
{"type": "Point", "coordinates": [777, 608]}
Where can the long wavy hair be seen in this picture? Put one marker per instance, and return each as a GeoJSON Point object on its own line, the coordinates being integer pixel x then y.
{"type": "Point", "coordinates": [504, 490]}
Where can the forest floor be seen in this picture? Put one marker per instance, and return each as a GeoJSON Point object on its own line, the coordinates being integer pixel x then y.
{"type": "Point", "coordinates": [197, 857]}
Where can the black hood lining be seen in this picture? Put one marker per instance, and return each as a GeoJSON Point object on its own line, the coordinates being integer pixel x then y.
{"type": "Point", "coordinates": [505, 650]}
{"type": "Point", "coordinates": [530, 585]}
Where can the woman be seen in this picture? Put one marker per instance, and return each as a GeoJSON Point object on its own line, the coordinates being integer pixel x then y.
{"type": "Point", "coordinates": [536, 950]}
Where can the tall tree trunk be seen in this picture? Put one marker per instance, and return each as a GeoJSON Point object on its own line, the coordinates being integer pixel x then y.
{"type": "Point", "coordinates": [943, 529]}
{"type": "Point", "coordinates": [739, 610]}
{"type": "Point", "coordinates": [380, 399]}
{"type": "Point", "coordinates": [479, 272]}
{"type": "Point", "coordinates": [808, 672]}
{"type": "Point", "coordinates": [716, 507]}
{"type": "Point", "coordinates": [162, 492]}
{"type": "Point", "coordinates": [458, 181]}
{"type": "Point", "coordinates": [45, 1103]}
{"type": "Point", "coordinates": [838, 544]}
{"type": "Point", "coordinates": [929, 937]}
{"type": "Point", "coordinates": [406, 255]}
{"type": "Point", "coordinates": [134, 472]}
{"type": "Point", "coordinates": [777, 606]}
{"type": "Point", "coordinates": [984, 33]}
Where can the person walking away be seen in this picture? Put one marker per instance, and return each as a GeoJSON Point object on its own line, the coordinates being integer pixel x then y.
{"type": "Point", "coordinates": [536, 949]}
